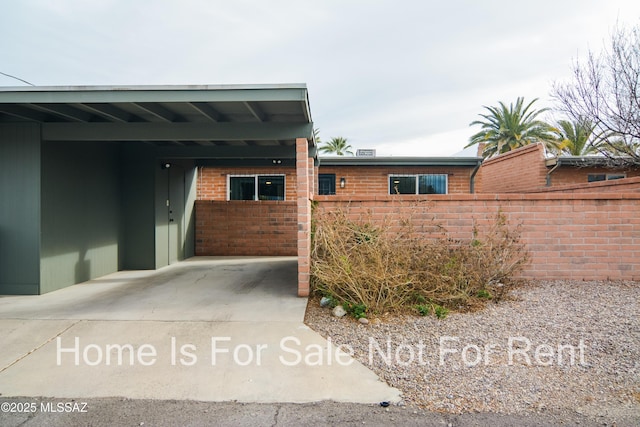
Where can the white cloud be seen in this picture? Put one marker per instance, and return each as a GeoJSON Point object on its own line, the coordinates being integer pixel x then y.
{"type": "Point", "coordinates": [438, 144]}
{"type": "Point", "coordinates": [382, 73]}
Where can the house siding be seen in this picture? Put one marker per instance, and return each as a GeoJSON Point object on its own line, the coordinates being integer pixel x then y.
{"type": "Point", "coordinates": [20, 191]}
{"type": "Point", "coordinates": [625, 185]}
{"type": "Point", "coordinates": [81, 216]}
{"type": "Point", "coordinates": [578, 175]}
{"type": "Point", "coordinates": [212, 181]}
{"type": "Point", "coordinates": [367, 180]}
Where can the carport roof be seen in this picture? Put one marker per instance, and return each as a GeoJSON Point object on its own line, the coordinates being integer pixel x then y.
{"type": "Point", "coordinates": [196, 115]}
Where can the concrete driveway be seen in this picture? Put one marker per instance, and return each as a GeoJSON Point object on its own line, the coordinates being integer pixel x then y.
{"type": "Point", "coordinates": [209, 329]}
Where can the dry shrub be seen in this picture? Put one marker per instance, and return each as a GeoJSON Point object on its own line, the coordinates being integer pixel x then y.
{"type": "Point", "coordinates": [394, 265]}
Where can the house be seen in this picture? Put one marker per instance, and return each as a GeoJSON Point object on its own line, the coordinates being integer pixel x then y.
{"type": "Point", "coordinates": [250, 207]}
{"type": "Point", "coordinates": [529, 169]}
{"type": "Point", "coordinates": [94, 180]}
{"type": "Point", "coordinates": [358, 176]}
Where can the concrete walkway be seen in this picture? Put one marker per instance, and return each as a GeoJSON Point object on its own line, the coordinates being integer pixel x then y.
{"type": "Point", "coordinates": [208, 329]}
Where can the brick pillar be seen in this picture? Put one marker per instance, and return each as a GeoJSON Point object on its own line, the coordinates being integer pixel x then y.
{"type": "Point", "coordinates": [304, 216]}
{"type": "Point", "coordinates": [312, 179]}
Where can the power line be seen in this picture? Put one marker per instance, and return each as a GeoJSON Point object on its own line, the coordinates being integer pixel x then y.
{"type": "Point", "coordinates": [17, 78]}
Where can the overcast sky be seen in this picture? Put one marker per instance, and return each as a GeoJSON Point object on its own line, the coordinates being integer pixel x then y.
{"type": "Point", "coordinates": [404, 77]}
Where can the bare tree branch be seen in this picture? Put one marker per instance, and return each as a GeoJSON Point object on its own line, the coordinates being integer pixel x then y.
{"type": "Point", "coordinates": [604, 90]}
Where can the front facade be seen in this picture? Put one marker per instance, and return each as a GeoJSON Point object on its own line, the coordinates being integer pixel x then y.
{"type": "Point", "coordinates": [360, 176]}
{"type": "Point", "coordinates": [251, 209]}
{"type": "Point", "coordinates": [94, 180]}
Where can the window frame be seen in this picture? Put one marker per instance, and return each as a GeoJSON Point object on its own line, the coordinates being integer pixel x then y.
{"type": "Point", "coordinates": [593, 177]}
{"type": "Point", "coordinates": [333, 175]}
{"type": "Point", "coordinates": [256, 177]}
{"type": "Point", "coordinates": [417, 184]}
{"type": "Point", "coordinates": [614, 176]}
{"type": "Point", "coordinates": [607, 177]}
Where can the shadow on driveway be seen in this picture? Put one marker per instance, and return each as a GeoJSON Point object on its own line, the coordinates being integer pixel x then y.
{"type": "Point", "coordinates": [201, 288]}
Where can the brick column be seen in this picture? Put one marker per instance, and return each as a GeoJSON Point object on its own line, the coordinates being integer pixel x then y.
{"type": "Point", "coordinates": [304, 216]}
{"type": "Point", "coordinates": [312, 179]}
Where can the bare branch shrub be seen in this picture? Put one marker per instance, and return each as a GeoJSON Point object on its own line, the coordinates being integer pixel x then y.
{"type": "Point", "coordinates": [394, 265]}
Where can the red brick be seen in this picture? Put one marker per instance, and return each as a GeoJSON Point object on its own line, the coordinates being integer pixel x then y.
{"type": "Point", "coordinates": [568, 237]}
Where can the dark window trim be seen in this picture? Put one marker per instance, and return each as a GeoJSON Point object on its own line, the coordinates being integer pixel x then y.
{"type": "Point", "coordinates": [417, 184]}
{"type": "Point", "coordinates": [256, 178]}
{"type": "Point", "coordinates": [332, 190]}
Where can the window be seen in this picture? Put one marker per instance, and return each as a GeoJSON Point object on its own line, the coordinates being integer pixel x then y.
{"type": "Point", "coordinates": [418, 184]}
{"type": "Point", "coordinates": [242, 188]}
{"type": "Point", "coordinates": [615, 176]}
{"type": "Point", "coordinates": [605, 177]}
{"type": "Point", "coordinates": [326, 184]}
{"type": "Point", "coordinates": [402, 185]}
{"type": "Point", "coordinates": [256, 187]}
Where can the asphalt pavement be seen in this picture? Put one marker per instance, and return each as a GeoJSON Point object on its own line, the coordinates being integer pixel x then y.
{"type": "Point", "coordinates": [127, 412]}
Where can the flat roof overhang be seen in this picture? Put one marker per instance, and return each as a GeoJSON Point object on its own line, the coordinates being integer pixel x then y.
{"type": "Point", "coordinates": [614, 162]}
{"type": "Point", "coordinates": [198, 121]}
{"type": "Point", "coordinates": [401, 161]}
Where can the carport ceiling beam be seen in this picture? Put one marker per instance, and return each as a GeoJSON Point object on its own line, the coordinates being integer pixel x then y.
{"type": "Point", "coordinates": [109, 112]}
{"type": "Point", "coordinates": [159, 111]}
{"type": "Point", "coordinates": [175, 131]}
{"type": "Point", "coordinates": [256, 111]}
{"type": "Point", "coordinates": [64, 111]}
{"type": "Point", "coordinates": [207, 110]}
{"type": "Point", "coordinates": [228, 152]}
{"type": "Point", "coordinates": [22, 112]}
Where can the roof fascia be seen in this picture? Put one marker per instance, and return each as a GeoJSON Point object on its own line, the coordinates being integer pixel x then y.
{"type": "Point", "coordinates": [114, 94]}
{"type": "Point", "coordinates": [401, 161]}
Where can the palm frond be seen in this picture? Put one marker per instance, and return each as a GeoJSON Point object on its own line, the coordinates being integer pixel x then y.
{"type": "Point", "coordinates": [506, 128]}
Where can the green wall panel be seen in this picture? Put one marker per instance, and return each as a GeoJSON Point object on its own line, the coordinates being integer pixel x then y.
{"type": "Point", "coordinates": [19, 208]}
{"type": "Point", "coordinates": [138, 186]}
{"type": "Point", "coordinates": [191, 193]}
{"type": "Point", "coordinates": [81, 212]}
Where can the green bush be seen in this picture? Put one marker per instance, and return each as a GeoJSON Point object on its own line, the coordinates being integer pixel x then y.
{"type": "Point", "coordinates": [356, 310]}
{"type": "Point", "coordinates": [440, 311]}
{"type": "Point", "coordinates": [423, 309]}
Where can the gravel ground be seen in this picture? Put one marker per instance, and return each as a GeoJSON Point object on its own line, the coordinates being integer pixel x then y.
{"type": "Point", "coordinates": [511, 357]}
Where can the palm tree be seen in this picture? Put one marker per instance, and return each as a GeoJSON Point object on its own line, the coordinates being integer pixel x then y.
{"type": "Point", "coordinates": [576, 138]}
{"type": "Point", "coordinates": [316, 136]}
{"type": "Point", "coordinates": [618, 147]}
{"type": "Point", "coordinates": [337, 146]}
{"type": "Point", "coordinates": [506, 129]}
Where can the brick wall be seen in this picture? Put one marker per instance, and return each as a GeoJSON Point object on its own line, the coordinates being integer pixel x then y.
{"type": "Point", "coordinates": [517, 171]}
{"type": "Point", "coordinates": [366, 180]}
{"type": "Point", "coordinates": [625, 185]}
{"type": "Point", "coordinates": [212, 181]}
{"type": "Point", "coordinates": [246, 228]}
{"type": "Point", "coordinates": [580, 236]}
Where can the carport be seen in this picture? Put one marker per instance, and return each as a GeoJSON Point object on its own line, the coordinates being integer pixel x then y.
{"type": "Point", "coordinates": [95, 180]}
